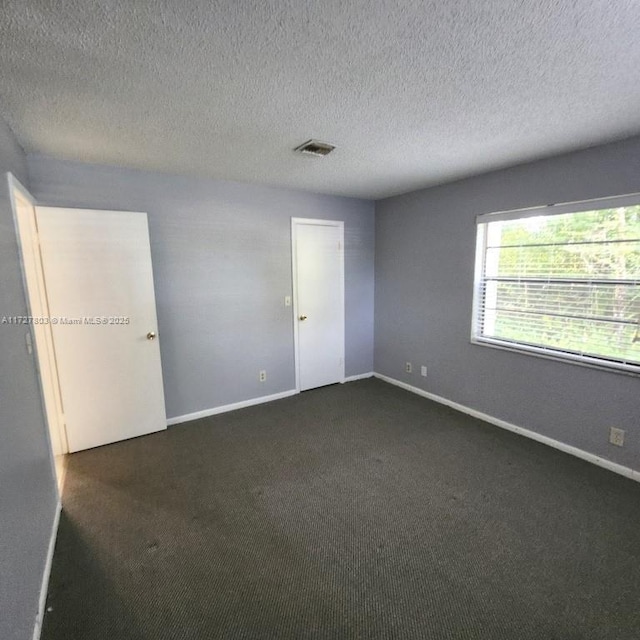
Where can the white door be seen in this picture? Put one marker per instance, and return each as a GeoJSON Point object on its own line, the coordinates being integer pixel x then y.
{"type": "Point", "coordinates": [99, 282]}
{"type": "Point", "coordinates": [318, 273]}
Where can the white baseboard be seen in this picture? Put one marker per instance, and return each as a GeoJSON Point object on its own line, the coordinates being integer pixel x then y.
{"type": "Point", "coordinates": [37, 629]}
{"type": "Point", "coordinates": [60, 463]}
{"type": "Point", "coordinates": [627, 472]}
{"type": "Point", "coordinates": [229, 407]}
{"type": "Point", "coordinates": [360, 376]}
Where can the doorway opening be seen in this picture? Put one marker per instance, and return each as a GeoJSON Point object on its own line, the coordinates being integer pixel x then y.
{"type": "Point", "coordinates": [38, 336]}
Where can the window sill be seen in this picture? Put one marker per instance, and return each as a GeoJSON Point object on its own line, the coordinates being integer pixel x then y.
{"type": "Point", "coordinates": [582, 361]}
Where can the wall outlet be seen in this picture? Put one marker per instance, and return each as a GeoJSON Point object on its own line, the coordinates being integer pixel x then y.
{"type": "Point", "coordinates": [423, 371]}
{"type": "Point", "coordinates": [408, 367]}
{"type": "Point", "coordinates": [263, 376]}
{"type": "Point", "coordinates": [616, 436]}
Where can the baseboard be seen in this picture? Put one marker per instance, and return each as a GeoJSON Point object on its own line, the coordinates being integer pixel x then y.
{"type": "Point", "coordinates": [627, 472]}
{"type": "Point", "coordinates": [60, 463]}
{"type": "Point", "coordinates": [37, 629]}
{"type": "Point", "coordinates": [360, 376]}
{"type": "Point", "coordinates": [229, 407]}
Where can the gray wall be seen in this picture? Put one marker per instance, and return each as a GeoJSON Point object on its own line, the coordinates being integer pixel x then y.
{"type": "Point", "coordinates": [425, 246]}
{"type": "Point", "coordinates": [27, 487]}
{"type": "Point", "coordinates": [222, 266]}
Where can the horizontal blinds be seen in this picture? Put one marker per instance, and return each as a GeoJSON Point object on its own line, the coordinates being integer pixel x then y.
{"type": "Point", "coordinates": [568, 284]}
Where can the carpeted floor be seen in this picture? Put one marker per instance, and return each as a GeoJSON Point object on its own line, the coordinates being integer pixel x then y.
{"type": "Point", "coordinates": [352, 511]}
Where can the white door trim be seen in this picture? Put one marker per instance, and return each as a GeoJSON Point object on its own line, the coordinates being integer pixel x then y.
{"type": "Point", "coordinates": [294, 271]}
{"type": "Point", "coordinates": [42, 339]}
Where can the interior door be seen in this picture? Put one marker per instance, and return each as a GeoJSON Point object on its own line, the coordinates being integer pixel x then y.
{"type": "Point", "coordinates": [99, 282]}
{"type": "Point", "coordinates": [318, 265]}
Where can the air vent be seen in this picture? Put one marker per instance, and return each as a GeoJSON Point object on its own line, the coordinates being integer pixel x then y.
{"type": "Point", "coordinates": [315, 148]}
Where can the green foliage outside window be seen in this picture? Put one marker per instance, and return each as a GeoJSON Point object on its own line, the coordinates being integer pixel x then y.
{"type": "Point", "coordinates": [569, 282]}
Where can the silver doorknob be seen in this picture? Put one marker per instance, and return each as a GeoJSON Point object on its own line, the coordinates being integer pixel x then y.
{"type": "Point", "coordinates": [303, 317]}
{"type": "Point", "coordinates": [151, 335]}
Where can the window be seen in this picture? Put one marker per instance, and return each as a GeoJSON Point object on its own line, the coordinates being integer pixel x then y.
{"type": "Point", "coordinates": [562, 281]}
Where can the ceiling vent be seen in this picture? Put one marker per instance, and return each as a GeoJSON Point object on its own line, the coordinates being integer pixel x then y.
{"type": "Point", "coordinates": [315, 148]}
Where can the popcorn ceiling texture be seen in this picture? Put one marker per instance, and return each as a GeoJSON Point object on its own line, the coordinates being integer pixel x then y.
{"type": "Point", "coordinates": [412, 93]}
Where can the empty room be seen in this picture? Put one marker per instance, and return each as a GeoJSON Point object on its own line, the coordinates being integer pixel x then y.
{"type": "Point", "coordinates": [319, 320]}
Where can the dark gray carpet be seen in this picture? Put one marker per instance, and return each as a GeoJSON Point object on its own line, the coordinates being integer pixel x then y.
{"type": "Point", "coordinates": [353, 511]}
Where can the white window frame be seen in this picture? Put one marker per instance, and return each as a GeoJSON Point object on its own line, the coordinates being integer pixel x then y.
{"type": "Point", "coordinates": [481, 245]}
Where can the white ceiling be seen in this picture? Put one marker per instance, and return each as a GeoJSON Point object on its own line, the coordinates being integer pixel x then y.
{"type": "Point", "coordinates": [412, 93]}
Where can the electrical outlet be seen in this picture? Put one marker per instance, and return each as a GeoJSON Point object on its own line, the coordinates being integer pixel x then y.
{"type": "Point", "coordinates": [408, 367]}
{"type": "Point", "coordinates": [263, 376]}
{"type": "Point", "coordinates": [423, 371]}
{"type": "Point", "coordinates": [616, 436]}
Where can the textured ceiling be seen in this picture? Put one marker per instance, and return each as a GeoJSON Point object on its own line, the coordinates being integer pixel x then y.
{"type": "Point", "coordinates": [412, 93]}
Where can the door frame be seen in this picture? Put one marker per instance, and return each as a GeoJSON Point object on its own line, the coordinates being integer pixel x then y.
{"type": "Point", "coordinates": [41, 337]}
{"type": "Point", "coordinates": [295, 222]}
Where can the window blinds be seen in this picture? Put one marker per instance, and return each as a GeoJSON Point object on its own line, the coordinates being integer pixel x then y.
{"type": "Point", "coordinates": [563, 283]}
